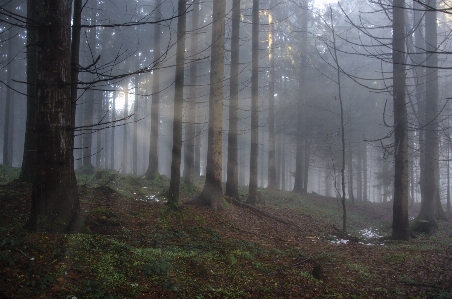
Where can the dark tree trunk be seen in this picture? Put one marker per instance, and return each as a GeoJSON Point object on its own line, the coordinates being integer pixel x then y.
{"type": "Point", "coordinates": [232, 184]}
{"type": "Point", "coordinates": [191, 103]}
{"type": "Point", "coordinates": [173, 192]}
{"type": "Point", "coordinates": [27, 172]}
{"type": "Point", "coordinates": [213, 190]}
{"type": "Point", "coordinates": [252, 191]}
{"type": "Point", "coordinates": [8, 128]}
{"type": "Point", "coordinates": [153, 167]}
{"type": "Point", "coordinates": [55, 202]}
{"type": "Point", "coordinates": [400, 226]}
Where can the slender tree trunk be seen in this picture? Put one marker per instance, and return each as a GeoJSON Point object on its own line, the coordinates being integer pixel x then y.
{"type": "Point", "coordinates": [306, 163]}
{"type": "Point", "coordinates": [400, 226]}
{"type": "Point", "coordinates": [99, 149]}
{"type": "Point", "coordinates": [298, 187]}
{"type": "Point", "coordinates": [364, 163]}
{"type": "Point", "coordinates": [271, 109]}
{"type": "Point", "coordinates": [27, 172]}
{"type": "Point", "coordinates": [350, 173]}
{"type": "Point", "coordinates": [112, 141]}
{"type": "Point", "coordinates": [191, 103]}
{"type": "Point", "coordinates": [213, 190]}
{"type": "Point", "coordinates": [153, 167]}
{"type": "Point", "coordinates": [125, 129]}
{"type": "Point", "coordinates": [135, 129]}
{"type": "Point", "coordinates": [359, 175]}
{"type": "Point", "coordinates": [55, 202]}
{"type": "Point", "coordinates": [232, 184]}
{"type": "Point", "coordinates": [173, 193]}
{"type": "Point", "coordinates": [9, 109]}
{"type": "Point", "coordinates": [252, 190]}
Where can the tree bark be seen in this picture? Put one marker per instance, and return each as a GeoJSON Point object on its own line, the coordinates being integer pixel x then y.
{"type": "Point", "coordinates": [232, 184]}
{"type": "Point", "coordinates": [400, 226]}
{"type": "Point", "coordinates": [213, 190]}
{"type": "Point", "coordinates": [27, 172]}
{"type": "Point", "coordinates": [252, 190]}
{"type": "Point", "coordinates": [125, 131]}
{"type": "Point", "coordinates": [271, 109]}
{"type": "Point", "coordinates": [191, 102]}
{"type": "Point", "coordinates": [173, 192]}
{"type": "Point", "coordinates": [153, 167]}
{"type": "Point", "coordinates": [112, 142]}
{"type": "Point", "coordinates": [55, 202]}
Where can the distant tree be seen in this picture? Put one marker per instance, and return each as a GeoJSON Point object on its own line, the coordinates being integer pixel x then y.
{"type": "Point", "coordinates": [271, 107]}
{"type": "Point", "coordinates": [232, 185]}
{"type": "Point", "coordinates": [176, 153]}
{"type": "Point", "coordinates": [55, 202]}
{"type": "Point", "coordinates": [213, 191]}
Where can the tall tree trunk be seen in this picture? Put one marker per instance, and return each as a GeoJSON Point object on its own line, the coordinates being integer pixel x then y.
{"type": "Point", "coordinates": [350, 172]}
{"type": "Point", "coordinates": [359, 175]}
{"type": "Point", "coordinates": [191, 103]}
{"type": "Point", "coordinates": [232, 184]}
{"type": "Point", "coordinates": [271, 109]}
{"type": "Point", "coordinates": [306, 163]}
{"type": "Point", "coordinates": [431, 172]}
{"type": "Point", "coordinates": [252, 191]}
{"type": "Point", "coordinates": [364, 163]}
{"type": "Point", "coordinates": [153, 167]}
{"type": "Point", "coordinates": [298, 187]}
{"type": "Point", "coordinates": [55, 202]}
{"type": "Point", "coordinates": [112, 140]}
{"type": "Point", "coordinates": [135, 129]}
{"type": "Point", "coordinates": [27, 172]}
{"type": "Point", "coordinates": [9, 109]}
{"type": "Point", "coordinates": [173, 192]}
{"type": "Point", "coordinates": [125, 129]}
{"type": "Point", "coordinates": [213, 190]}
{"type": "Point", "coordinates": [400, 226]}
{"type": "Point", "coordinates": [99, 149]}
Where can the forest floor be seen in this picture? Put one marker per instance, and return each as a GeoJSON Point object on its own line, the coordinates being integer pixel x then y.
{"type": "Point", "coordinates": [135, 247]}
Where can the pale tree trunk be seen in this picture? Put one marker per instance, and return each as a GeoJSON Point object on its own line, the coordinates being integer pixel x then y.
{"type": "Point", "coordinates": [364, 148]}
{"type": "Point", "coordinates": [191, 103]}
{"type": "Point", "coordinates": [232, 188]}
{"type": "Point", "coordinates": [125, 129]}
{"type": "Point", "coordinates": [252, 190]}
{"type": "Point", "coordinates": [99, 149]}
{"type": "Point", "coordinates": [152, 171]}
{"type": "Point", "coordinates": [135, 129]}
{"type": "Point", "coordinates": [350, 172]}
{"type": "Point", "coordinates": [176, 155]}
{"type": "Point", "coordinates": [306, 163]}
{"type": "Point", "coordinates": [359, 175]}
{"type": "Point", "coordinates": [55, 202]}
{"type": "Point", "coordinates": [400, 226]}
{"type": "Point", "coordinates": [112, 141]}
{"type": "Point", "coordinates": [213, 191]}
{"type": "Point", "coordinates": [28, 168]}
{"type": "Point", "coordinates": [298, 187]}
{"type": "Point", "coordinates": [271, 109]}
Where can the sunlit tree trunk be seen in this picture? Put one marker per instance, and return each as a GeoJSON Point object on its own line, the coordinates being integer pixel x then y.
{"type": "Point", "coordinates": [125, 129]}
{"type": "Point", "coordinates": [135, 129]}
{"type": "Point", "coordinates": [232, 188]}
{"type": "Point", "coordinates": [191, 102]}
{"type": "Point", "coordinates": [173, 192]}
{"type": "Point", "coordinates": [213, 190]}
{"type": "Point", "coordinates": [400, 226]}
{"type": "Point", "coordinates": [153, 167]}
{"type": "Point", "coordinates": [55, 202]}
{"type": "Point", "coordinates": [271, 108]}
{"type": "Point", "coordinates": [112, 140]}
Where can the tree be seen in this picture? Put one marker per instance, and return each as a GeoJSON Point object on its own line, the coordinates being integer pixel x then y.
{"type": "Point", "coordinates": [176, 153]}
{"type": "Point", "coordinates": [55, 202]}
{"type": "Point", "coordinates": [400, 226]}
{"type": "Point", "coordinates": [232, 185]}
{"type": "Point", "coordinates": [153, 166]}
{"type": "Point", "coordinates": [28, 169]}
{"type": "Point", "coordinates": [191, 102]}
{"type": "Point", "coordinates": [252, 190]}
{"type": "Point", "coordinates": [213, 191]}
{"type": "Point", "coordinates": [271, 108]}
